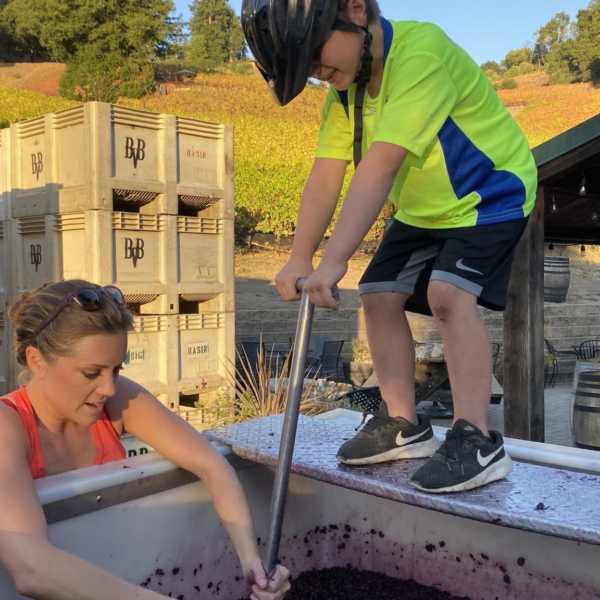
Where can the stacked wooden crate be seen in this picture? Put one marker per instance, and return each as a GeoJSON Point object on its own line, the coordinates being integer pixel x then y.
{"type": "Point", "coordinates": [140, 200]}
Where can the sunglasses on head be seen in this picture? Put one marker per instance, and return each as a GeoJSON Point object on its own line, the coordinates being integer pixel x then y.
{"type": "Point", "coordinates": [89, 299]}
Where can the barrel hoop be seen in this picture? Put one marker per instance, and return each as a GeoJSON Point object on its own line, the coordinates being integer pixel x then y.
{"type": "Point", "coordinates": [586, 446]}
{"type": "Point", "coordinates": [586, 394]}
{"type": "Point", "coordinates": [588, 409]}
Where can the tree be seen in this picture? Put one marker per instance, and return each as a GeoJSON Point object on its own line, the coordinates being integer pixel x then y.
{"type": "Point", "coordinates": [174, 44]}
{"type": "Point", "coordinates": [492, 69]}
{"type": "Point", "coordinates": [516, 57]}
{"type": "Point", "coordinates": [216, 34]}
{"type": "Point", "coordinates": [110, 46]}
{"type": "Point", "coordinates": [554, 32]}
{"type": "Point", "coordinates": [587, 44]}
{"type": "Point", "coordinates": [96, 74]}
{"type": "Point", "coordinates": [63, 27]}
{"type": "Point", "coordinates": [237, 42]}
{"type": "Point", "coordinates": [572, 59]}
{"type": "Point", "coordinates": [13, 47]}
{"type": "Point", "coordinates": [595, 72]}
{"type": "Point", "coordinates": [562, 64]}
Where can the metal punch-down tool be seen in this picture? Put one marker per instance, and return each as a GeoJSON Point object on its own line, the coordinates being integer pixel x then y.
{"type": "Point", "coordinates": [290, 424]}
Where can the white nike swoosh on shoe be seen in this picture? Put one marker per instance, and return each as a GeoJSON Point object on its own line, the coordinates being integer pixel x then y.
{"type": "Point", "coordinates": [484, 461]}
{"type": "Point", "coordinates": [402, 441]}
{"type": "Point", "coordinates": [460, 264]}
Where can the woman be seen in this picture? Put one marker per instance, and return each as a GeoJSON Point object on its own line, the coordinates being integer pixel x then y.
{"type": "Point", "coordinates": [71, 337]}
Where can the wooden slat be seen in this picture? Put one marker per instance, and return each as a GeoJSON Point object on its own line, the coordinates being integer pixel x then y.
{"type": "Point", "coordinates": [524, 334]}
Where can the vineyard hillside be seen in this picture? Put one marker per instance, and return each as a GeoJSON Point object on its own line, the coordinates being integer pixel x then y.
{"type": "Point", "coordinates": [274, 145]}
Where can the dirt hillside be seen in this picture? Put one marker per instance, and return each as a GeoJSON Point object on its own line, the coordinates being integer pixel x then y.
{"type": "Point", "coordinates": [42, 77]}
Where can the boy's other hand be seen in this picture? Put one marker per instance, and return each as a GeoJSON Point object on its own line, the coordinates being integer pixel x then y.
{"type": "Point", "coordinates": [321, 283]}
{"type": "Point", "coordinates": [286, 279]}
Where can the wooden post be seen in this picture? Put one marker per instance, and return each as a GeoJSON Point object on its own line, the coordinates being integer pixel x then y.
{"type": "Point", "coordinates": [524, 334]}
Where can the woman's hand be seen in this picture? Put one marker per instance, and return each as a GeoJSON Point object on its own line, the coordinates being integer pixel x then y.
{"type": "Point", "coordinates": [286, 279]}
{"type": "Point", "coordinates": [263, 587]}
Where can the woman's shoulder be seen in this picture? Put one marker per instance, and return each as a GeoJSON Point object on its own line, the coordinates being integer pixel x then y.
{"type": "Point", "coordinates": [14, 397]}
{"type": "Point", "coordinates": [12, 428]}
{"type": "Point", "coordinates": [14, 402]}
{"type": "Point", "coordinates": [126, 391]}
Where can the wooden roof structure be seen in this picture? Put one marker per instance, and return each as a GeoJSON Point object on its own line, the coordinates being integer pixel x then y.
{"type": "Point", "coordinates": [569, 171]}
{"type": "Point", "coordinates": [567, 211]}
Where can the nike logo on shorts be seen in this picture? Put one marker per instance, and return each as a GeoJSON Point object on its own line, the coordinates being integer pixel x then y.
{"type": "Point", "coordinates": [460, 264]}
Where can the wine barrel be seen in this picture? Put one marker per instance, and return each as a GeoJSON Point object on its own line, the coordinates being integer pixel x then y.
{"type": "Point", "coordinates": [557, 276]}
{"type": "Point", "coordinates": [586, 410]}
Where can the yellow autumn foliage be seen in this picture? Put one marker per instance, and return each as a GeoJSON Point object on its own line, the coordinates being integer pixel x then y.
{"type": "Point", "coordinates": [274, 146]}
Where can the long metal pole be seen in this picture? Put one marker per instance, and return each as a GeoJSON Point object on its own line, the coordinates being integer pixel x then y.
{"type": "Point", "coordinates": [288, 434]}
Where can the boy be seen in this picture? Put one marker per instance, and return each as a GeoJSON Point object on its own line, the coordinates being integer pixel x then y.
{"type": "Point", "coordinates": [428, 132]}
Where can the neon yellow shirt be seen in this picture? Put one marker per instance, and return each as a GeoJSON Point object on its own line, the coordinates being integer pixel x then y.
{"type": "Point", "coordinates": [468, 161]}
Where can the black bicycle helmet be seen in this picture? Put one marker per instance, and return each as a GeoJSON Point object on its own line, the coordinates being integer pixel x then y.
{"type": "Point", "coordinates": [285, 35]}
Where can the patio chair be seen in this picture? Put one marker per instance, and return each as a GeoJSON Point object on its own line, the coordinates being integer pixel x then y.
{"type": "Point", "coordinates": [315, 345]}
{"type": "Point", "coordinates": [587, 350]}
{"type": "Point", "coordinates": [550, 364]}
{"type": "Point", "coordinates": [278, 358]}
{"type": "Point", "coordinates": [328, 364]}
{"type": "Point", "coordinates": [559, 365]}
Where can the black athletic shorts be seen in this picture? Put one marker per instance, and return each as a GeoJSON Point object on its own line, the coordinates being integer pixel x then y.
{"type": "Point", "coordinates": [475, 259]}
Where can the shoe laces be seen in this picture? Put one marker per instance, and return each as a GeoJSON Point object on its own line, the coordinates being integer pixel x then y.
{"type": "Point", "coordinates": [373, 423]}
{"type": "Point", "coordinates": [449, 451]}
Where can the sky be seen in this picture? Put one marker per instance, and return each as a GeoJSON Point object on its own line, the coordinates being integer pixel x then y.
{"type": "Point", "coordinates": [487, 29]}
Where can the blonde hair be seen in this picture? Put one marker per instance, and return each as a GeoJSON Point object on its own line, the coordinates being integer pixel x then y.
{"type": "Point", "coordinates": [73, 323]}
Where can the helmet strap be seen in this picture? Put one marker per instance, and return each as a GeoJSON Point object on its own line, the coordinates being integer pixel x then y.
{"type": "Point", "coordinates": [362, 79]}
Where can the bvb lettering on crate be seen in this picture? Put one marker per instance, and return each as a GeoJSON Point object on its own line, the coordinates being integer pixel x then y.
{"type": "Point", "coordinates": [154, 259]}
{"type": "Point", "coordinates": [100, 156]}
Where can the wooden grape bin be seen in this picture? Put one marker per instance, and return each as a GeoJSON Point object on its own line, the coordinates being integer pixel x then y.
{"type": "Point", "coordinates": [100, 156]}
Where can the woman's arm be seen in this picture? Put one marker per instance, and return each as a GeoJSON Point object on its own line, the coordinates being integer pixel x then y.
{"type": "Point", "coordinates": [147, 419]}
{"type": "Point", "coordinates": [40, 570]}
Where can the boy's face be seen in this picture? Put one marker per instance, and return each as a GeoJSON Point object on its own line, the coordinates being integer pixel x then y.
{"type": "Point", "coordinates": [340, 59]}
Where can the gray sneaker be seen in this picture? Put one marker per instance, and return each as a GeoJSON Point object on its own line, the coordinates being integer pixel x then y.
{"type": "Point", "coordinates": [384, 438]}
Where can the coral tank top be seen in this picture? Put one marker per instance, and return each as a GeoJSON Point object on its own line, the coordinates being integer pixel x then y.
{"type": "Point", "coordinates": [108, 444]}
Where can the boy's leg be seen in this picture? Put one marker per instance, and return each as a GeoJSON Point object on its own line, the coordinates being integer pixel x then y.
{"type": "Point", "coordinates": [473, 267]}
{"type": "Point", "coordinates": [466, 350]}
{"type": "Point", "coordinates": [404, 257]}
{"type": "Point", "coordinates": [392, 351]}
